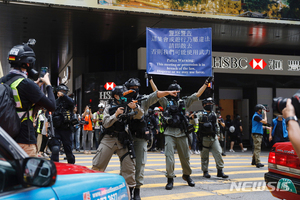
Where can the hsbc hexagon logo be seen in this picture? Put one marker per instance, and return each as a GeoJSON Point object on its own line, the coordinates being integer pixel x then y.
{"type": "Point", "coordinates": [109, 85]}
{"type": "Point", "coordinates": [257, 63]}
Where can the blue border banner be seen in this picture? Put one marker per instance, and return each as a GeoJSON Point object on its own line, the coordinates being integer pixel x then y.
{"type": "Point", "coordinates": [179, 52]}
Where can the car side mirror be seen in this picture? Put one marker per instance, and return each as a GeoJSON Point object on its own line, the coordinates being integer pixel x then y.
{"type": "Point", "coordinates": [39, 172]}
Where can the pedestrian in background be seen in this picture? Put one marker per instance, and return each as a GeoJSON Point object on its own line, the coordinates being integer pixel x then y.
{"type": "Point", "coordinates": [237, 134]}
{"type": "Point", "coordinates": [87, 130]}
{"type": "Point", "coordinates": [259, 118]}
{"type": "Point", "coordinates": [194, 121]}
{"type": "Point", "coordinates": [222, 126]}
{"type": "Point", "coordinates": [76, 131]}
{"type": "Point", "coordinates": [40, 122]}
{"type": "Point", "coordinates": [44, 134]}
{"type": "Point", "coordinates": [153, 127]}
{"type": "Point", "coordinates": [278, 131]}
{"type": "Point", "coordinates": [161, 129]}
{"type": "Point", "coordinates": [97, 119]}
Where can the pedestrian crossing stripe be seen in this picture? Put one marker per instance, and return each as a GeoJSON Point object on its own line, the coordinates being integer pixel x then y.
{"type": "Point", "coordinates": [162, 164]}
{"type": "Point", "coordinates": [232, 191]}
{"type": "Point", "coordinates": [201, 194]}
{"type": "Point", "coordinates": [154, 185]}
{"type": "Point", "coordinates": [116, 159]}
{"type": "Point", "coordinates": [163, 169]}
{"type": "Point", "coordinates": [213, 173]}
{"type": "Point", "coordinates": [244, 179]}
{"type": "Point", "coordinates": [180, 196]}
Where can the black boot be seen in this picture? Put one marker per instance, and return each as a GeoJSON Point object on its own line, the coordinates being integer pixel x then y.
{"type": "Point", "coordinates": [206, 174]}
{"type": "Point", "coordinates": [188, 179]}
{"type": "Point", "coordinates": [169, 185]}
{"type": "Point", "coordinates": [136, 194]}
{"type": "Point", "coordinates": [131, 189]}
{"type": "Point", "coordinates": [221, 174]}
{"type": "Point", "coordinates": [259, 165]}
{"type": "Point", "coordinates": [253, 162]}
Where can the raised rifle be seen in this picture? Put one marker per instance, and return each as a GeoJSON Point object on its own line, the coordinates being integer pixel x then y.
{"type": "Point", "coordinates": [129, 140]}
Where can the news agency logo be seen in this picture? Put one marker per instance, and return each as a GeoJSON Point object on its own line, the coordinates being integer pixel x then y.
{"type": "Point", "coordinates": [257, 63]}
{"type": "Point", "coordinates": [282, 185]}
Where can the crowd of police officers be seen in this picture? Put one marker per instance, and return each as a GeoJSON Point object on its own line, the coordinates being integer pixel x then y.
{"type": "Point", "coordinates": [125, 128]}
{"type": "Point", "coordinates": [126, 132]}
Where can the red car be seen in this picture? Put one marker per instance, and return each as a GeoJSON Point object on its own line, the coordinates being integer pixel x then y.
{"type": "Point", "coordinates": [283, 178]}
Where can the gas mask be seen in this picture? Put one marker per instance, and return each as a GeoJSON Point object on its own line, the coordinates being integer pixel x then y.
{"type": "Point", "coordinates": [175, 98]}
{"type": "Point", "coordinates": [208, 107]}
{"type": "Point", "coordinates": [136, 92]}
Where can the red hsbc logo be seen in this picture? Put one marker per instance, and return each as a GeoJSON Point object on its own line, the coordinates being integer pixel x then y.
{"type": "Point", "coordinates": [256, 63]}
{"type": "Point", "coordinates": [109, 85]}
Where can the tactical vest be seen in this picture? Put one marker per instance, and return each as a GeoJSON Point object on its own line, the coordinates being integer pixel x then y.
{"type": "Point", "coordinates": [175, 114]}
{"type": "Point", "coordinates": [118, 126]}
{"type": "Point", "coordinates": [208, 125]}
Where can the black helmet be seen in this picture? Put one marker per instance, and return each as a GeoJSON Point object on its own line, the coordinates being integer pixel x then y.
{"type": "Point", "coordinates": [62, 87]}
{"type": "Point", "coordinates": [259, 106]}
{"type": "Point", "coordinates": [118, 90]}
{"type": "Point", "coordinates": [23, 56]}
{"type": "Point", "coordinates": [208, 100]}
{"type": "Point", "coordinates": [132, 82]}
{"type": "Point", "coordinates": [20, 55]}
{"type": "Point", "coordinates": [174, 86]}
{"type": "Point", "coordinates": [150, 111]}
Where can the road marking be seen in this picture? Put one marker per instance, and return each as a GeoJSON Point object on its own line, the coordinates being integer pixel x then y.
{"type": "Point", "coordinates": [154, 185]}
{"type": "Point", "coordinates": [214, 173]}
{"type": "Point", "coordinates": [245, 179]}
{"type": "Point", "coordinates": [179, 196]}
{"type": "Point", "coordinates": [176, 169]}
{"type": "Point", "coordinates": [233, 191]}
{"type": "Point", "coordinates": [116, 159]}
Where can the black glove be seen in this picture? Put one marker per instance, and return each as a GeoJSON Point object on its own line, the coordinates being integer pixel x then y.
{"type": "Point", "coordinates": [209, 79]}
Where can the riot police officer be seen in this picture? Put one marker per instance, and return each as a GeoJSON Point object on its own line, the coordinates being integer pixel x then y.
{"type": "Point", "coordinates": [117, 137]}
{"type": "Point", "coordinates": [62, 118]}
{"type": "Point", "coordinates": [175, 135]}
{"type": "Point", "coordinates": [208, 135]}
{"type": "Point", "coordinates": [139, 129]}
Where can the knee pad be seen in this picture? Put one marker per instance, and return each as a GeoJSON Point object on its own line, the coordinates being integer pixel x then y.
{"type": "Point", "coordinates": [55, 150]}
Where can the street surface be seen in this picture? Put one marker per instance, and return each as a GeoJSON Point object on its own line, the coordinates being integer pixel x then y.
{"type": "Point", "coordinates": [237, 166]}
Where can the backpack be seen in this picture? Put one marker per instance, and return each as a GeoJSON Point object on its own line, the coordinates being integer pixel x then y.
{"type": "Point", "coordinates": [9, 119]}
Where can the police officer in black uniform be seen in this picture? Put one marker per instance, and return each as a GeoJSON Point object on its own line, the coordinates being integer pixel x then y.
{"type": "Point", "coordinates": [62, 118]}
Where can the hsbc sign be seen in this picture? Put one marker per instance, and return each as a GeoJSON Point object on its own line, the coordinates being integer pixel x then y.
{"type": "Point", "coordinates": [224, 62]}
{"type": "Point", "coordinates": [257, 63]}
{"type": "Point", "coordinates": [109, 85]}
